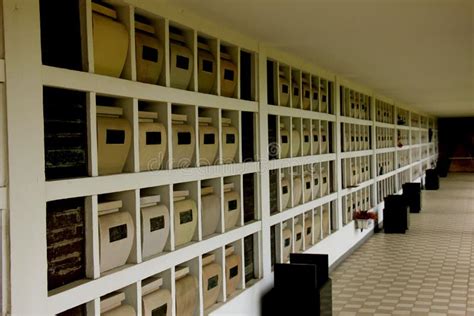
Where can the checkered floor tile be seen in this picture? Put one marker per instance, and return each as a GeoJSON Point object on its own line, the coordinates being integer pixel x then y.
{"type": "Point", "coordinates": [427, 271]}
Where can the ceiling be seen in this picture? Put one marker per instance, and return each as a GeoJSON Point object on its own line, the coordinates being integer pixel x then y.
{"type": "Point", "coordinates": [419, 52]}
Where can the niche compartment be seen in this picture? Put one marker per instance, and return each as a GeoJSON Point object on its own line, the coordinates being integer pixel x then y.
{"type": "Point", "coordinates": [116, 234]}
{"type": "Point", "coordinates": [211, 207]}
{"type": "Point", "coordinates": [284, 140]}
{"type": "Point", "coordinates": [247, 76]}
{"type": "Point", "coordinates": [208, 141]}
{"type": "Point", "coordinates": [207, 65]}
{"type": "Point", "coordinates": [65, 128]}
{"type": "Point", "coordinates": [298, 234]}
{"type": "Point", "coordinates": [114, 139]}
{"type": "Point", "coordinates": [80, 310]}
{"type": "Point", "coordinates": [284, 85]}
{"type": "Point", "coordinates": [65, 220]}
{"type": "Point", "coordinates": [61, 46]}
{"type": "Point", "coordinates": [295, 88]}
{"type": "Point", "coordinates": [184, 140]}
{"type": "Point", "coordinates": [287, 240]}
{"type": "Point", "coordinates": [185, 217]}
{"type": "Point", "coordinates": [250, 252]}
{"type": "Point", "coordinates": [317, 224]}
{"type": "Point", "coordinates": [230, 138]}
{"type": "Point", "coordinates": [248, 128]}
{"type": "Point", "coordinates": [232, 203]}
{"type": "Point", "coordinates": [274, 191]}
{"type": "Point", "coordinates": [155, 225]}
{"type": "Point", "coordinates": [249, 186]}
{"type": "Point", "coordinates": [297, 188]}
{"type": "Point", "coordinates": [110, 38]}
{"type": "Point", "coordinates": [308, 229]}
{"type": "Point", "coordinates": [186, 291]}
{"type": "Point", "coordinates": [284, 191]}
{"type": "Point", "coordinates": [149, 51]}
{"type": "Point", "coordinates": [306, 92]}
{"type": "Point", "coordinates": [306, 149]}
{"type": "Point", "coordinates": [273, 143]}
{"type": "Point", "coordinates": [233, 270]}
{"type": "Point", "coordinates": [211, 280]}
{"type": "Point", "coordinates": [316, 137]}
{"type": "Point", "coordinates": [315, 93]}
{"type": "Point", "coordinates": [229, 71]}
{"type": "Point", "coordinates": [181, 58]}
{"type": "Point", "coordinates": [152, 141]}
{"type": "Point", "coordinates": [115, 304]}
{"type": "Point", "coordinates": [155, 299]}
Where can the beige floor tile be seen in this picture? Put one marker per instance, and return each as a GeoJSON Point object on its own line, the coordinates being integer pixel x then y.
{"type": "Point", "coordinates": [344, 313]}
{"type": "Point", "coordinates": [437, 306]}
{"type": "Point", "coordinates": [401, 312]}
{"type": "Point", "coordinates": [367, 310]}
{"type": "Point", "coordinates": [423, 303]}
{"type": "Point", "coordinates": [421, 309]}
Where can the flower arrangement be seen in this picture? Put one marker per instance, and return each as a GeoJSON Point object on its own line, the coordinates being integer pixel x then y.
{"type": "Point", "coordinates": [362, 218]}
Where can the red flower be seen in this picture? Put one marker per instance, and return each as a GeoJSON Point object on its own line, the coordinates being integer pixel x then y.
{"type": "Point", "coordinates": [358, 214]}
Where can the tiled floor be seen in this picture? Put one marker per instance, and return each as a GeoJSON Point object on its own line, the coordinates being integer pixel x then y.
{"type": "Point", "coordinates": [427, 271]}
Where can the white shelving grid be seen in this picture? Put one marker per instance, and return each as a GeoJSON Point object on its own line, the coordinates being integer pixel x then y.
{"type": "Point", "coordinates": [301, 159]}
{"type": "Point", "coordinates": [311, 147]}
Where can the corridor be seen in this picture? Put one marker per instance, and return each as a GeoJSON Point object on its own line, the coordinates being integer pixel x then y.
{"type": "Point", "coordinates": [427, 271]}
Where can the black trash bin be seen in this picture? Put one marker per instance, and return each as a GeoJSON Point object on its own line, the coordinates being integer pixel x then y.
{"type": "Point", "coordinates": [396, 218]}
{"type": "Point", "coordinates": [432, 180]}
{"type": "Point", "coordinates": [301, 287]}
{"type": "Point", "coordinates": [412, 195]}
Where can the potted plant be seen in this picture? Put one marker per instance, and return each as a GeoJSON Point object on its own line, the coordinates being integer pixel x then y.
{"type": "Point", "coordinates": [362, 218]}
